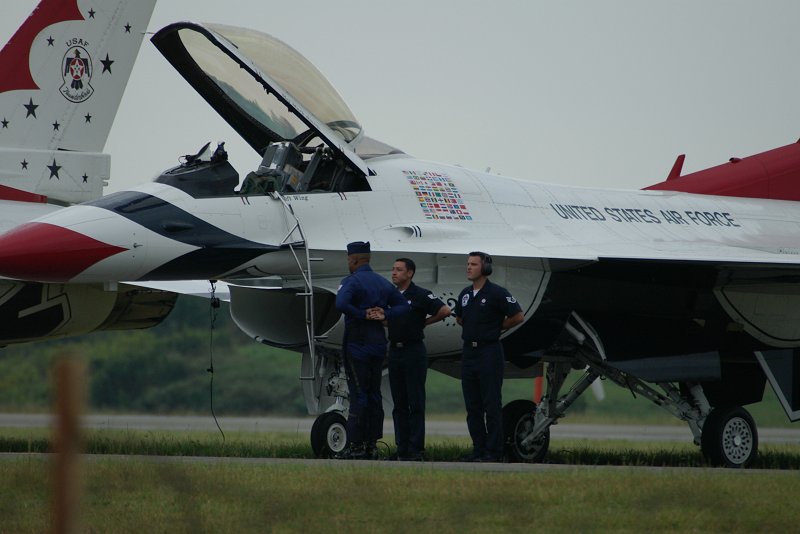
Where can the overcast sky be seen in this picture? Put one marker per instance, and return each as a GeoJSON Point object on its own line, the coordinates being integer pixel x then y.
{"type": "Point", "coordinates": [587, 92]}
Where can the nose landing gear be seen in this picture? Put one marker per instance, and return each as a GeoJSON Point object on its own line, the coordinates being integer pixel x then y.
{"type": "Point", "coordinates": [328, 435]}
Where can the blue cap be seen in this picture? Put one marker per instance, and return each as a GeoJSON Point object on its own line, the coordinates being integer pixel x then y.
{"type": "Point", "coordinates": [358, 247]}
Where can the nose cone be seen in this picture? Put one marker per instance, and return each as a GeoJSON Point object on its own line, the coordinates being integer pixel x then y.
{"type": "Point", "coordinates": [48, 253]}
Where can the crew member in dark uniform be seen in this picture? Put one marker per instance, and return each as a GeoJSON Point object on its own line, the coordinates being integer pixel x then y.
{"type": "Point", "coordinates": [484, 310]}
{"type": "Point", "coordinates": [408, 361]}
{"type": "Point", "coordinates": [366, 299]}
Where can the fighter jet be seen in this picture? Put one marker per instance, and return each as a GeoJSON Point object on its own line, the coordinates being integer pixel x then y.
{"type": "Point", "coordinates": [689, 300]}
{"type": "Point", "coordinates": [64, 72]}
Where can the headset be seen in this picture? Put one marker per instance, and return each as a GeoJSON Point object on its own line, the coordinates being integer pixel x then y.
{"type": "Point", "coordinates": [486, 262]}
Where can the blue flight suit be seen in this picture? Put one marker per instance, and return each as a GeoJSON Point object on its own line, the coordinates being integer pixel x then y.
{"type": "Point", "coordinates": [482, 361]}
{"type": "Point", "coordinates": [365, 348]}
{"type": "Point", "coordinates": [408, 369]}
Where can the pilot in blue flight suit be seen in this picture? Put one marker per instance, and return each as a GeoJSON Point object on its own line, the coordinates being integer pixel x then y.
{"type": "Point", "coordinates": [484, 310]}
{"type": "Point", "coordinates": [366, 299]}
{"type": "Point", "coordinates": [408, 361]}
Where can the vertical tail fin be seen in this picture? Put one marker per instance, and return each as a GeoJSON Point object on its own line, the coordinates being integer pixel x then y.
{"type": "Point", "coordinates": [64, 73]}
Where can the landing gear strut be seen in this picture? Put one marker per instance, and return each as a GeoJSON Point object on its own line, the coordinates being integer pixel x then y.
{"type": "Point", "coordinates": [325, 389]}
{"type": "Point", "coordinates": [727, 435]}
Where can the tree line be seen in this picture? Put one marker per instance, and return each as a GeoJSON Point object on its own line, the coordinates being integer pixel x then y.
{"type": "Point", "coordinates": [165, 370]}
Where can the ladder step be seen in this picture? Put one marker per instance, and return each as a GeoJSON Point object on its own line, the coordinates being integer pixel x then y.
{"type": "Point", "coordinates": [304, 294]}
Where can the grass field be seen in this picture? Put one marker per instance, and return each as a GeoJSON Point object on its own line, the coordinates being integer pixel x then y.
{"type": "Point", "coordinates": [134, 495]}
{"type": "Point", "coordinates": [141, 494]}
{"type": "Point", "coordinates": [446, 449]}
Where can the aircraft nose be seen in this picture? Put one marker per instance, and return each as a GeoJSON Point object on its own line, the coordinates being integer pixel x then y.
{"type": "Point", "coordinates": [49, 253]}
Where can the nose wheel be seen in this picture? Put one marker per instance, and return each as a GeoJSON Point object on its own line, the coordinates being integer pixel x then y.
{"type": "Point", "coordinates": [729, 437]}
{"type": "Point", "coordinates": [328, 435]}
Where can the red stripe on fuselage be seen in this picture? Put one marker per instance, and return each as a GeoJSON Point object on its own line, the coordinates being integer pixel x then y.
{"type": "Point", "coordinates": [47, 253]}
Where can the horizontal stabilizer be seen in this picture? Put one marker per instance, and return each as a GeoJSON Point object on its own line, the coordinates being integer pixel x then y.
{"type": "Point", "coordinates": [69, 177]}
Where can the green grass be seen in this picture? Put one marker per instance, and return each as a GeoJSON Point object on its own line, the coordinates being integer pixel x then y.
{"type": "Point", "coordinates": [141, 494]}
{"type": "Point", "coordinates": [296, 445]}
{"type": "Point", "coordinates": [134, 495]}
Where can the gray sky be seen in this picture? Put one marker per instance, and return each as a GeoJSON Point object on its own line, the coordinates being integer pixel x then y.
{"type": "Point", "coordinates": [584, 92]}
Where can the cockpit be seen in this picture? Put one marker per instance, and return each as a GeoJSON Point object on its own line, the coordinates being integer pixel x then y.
{"type": "Point", "coordinates": [286, 168]}
{"type": "Point", "coordinates": [282, 106]}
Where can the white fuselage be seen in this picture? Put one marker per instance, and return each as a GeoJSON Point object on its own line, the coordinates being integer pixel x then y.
{"type": "Point", "coordinates": [435, 214]}
{"type": "Point", "coordinates": [508, 218]}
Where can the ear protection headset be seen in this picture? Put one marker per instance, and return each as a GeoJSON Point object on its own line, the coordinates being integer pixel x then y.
{"type": "Point", "coordinates": [486, 262]}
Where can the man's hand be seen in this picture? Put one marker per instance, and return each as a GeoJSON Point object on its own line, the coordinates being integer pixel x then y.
{"type": "Point", "coordinates": [440, 315]}
{"type": "Point", "coordinates": [375, 314]}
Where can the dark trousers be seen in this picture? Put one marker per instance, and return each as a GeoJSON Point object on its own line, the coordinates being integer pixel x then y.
{"type": "Point", "coordinates": [408, 369]}
{"type": "Point", "coordinates": [482, 383]}
{"type": "Point", "coordinates": [365, 420]}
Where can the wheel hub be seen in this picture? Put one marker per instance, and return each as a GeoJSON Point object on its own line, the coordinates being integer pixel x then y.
{"type": "Point", "coordinates": [336, 438]}
{"type": "Point", "coordinates": [737, 440]}
{"type": "Point", "coordinates": [522, 430]}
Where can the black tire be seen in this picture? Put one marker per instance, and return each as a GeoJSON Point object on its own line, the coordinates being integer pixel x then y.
{"type": "Point", "coordinates": [729, 437]}
{"type": "Point", "coordinates": [517, 424]}
{"type": "Point", "coordinates": [328, 435]}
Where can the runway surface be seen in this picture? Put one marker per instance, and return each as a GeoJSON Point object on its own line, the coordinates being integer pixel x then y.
{"type": "Point", "coordinates": [433, 428]}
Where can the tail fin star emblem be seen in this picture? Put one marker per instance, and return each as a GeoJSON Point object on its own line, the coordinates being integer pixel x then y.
{"type": "Point", "coordinates": [77, 73]}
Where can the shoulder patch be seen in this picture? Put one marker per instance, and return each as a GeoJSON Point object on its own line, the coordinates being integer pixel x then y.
{"type": "Point", "coordinates": [465, 299]}
{"type": "Point", "coordinates": [432, 296]}
{"type": "Point", "coordinates": [512, 300]}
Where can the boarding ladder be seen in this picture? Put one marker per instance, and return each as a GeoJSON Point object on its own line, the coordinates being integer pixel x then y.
{"type": "Point", "coordinates": [304, 267]}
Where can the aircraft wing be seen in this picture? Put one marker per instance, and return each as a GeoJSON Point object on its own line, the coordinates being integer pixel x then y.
{"type": "Point", "coordinates": [192, 288]}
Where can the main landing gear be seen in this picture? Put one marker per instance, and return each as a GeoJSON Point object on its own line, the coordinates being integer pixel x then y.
{"type": "Point", "coordinates": [727, 435]}
{"type": "Point", "coordinates": [518, 423]}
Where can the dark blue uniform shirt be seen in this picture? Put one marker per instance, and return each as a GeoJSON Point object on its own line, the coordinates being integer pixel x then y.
{"type": "Point", "coordinates": [408, 327]}
{"type": "Point", "coordinates": [482, 315]}
{"type": "Point", "coordinates": [364, 289]}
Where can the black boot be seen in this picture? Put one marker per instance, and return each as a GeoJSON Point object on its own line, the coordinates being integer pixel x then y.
{"type": "Point", "coordinates": [353, 451]}
{"type": "Point", "coordinates": [371, 451]}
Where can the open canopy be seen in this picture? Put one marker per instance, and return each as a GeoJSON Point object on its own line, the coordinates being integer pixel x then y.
{"type": "Point", "coordinates": [261, 86]}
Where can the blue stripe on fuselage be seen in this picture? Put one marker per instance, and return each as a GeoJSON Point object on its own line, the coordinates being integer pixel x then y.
{"type": "Point", "coordinates": [219, 251]}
